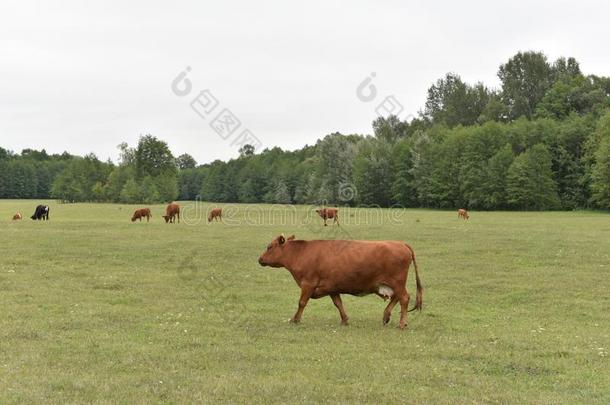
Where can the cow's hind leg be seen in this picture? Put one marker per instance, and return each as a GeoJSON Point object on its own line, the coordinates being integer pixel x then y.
{"type": "Point", "coordinates": [306, 292]}
{"type": "Point", "coordinates": [388, 309]}
{"type": "Point", "coordinates": [403, 297]}
{"type": "Point", "coordinates": [339, 304]}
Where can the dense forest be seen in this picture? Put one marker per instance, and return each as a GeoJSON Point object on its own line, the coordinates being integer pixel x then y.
{"type": "Point", "coordinates": [540, 142]}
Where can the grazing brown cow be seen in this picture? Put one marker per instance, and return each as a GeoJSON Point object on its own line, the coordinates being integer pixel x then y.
{"type": "Point", "coordinates": [171, 211]}
{"type": "Point", "coordinates": [215, 213]}
{"type": "Point", "coordinates": [17, 216]}
{"type": "Point", "coordinates": [334, 267]}
{"type": "Point", "coordinates": [141, 213]}
{"type": "Point", "coordinates": [462, 213]}
{"type": "Point", "coordinates": [328, 213]}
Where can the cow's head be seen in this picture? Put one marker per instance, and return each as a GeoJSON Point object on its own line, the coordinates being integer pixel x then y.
{"type": "Point", "coordinates": [166, 218]}
{"type": "Point", "coordinates": [273, 256]}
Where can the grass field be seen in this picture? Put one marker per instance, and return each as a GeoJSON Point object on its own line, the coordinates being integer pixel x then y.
{"type": "Point", "coordinates": [98, 309]}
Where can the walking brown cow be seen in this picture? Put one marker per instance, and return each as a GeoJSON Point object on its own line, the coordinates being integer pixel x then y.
{"type": "Point", "coordinates": [334, 267]}
{"type": "Point", "coordinates": [171, 212]}
{"type": "Point", "coordinates": [141, 213]}
{"type": "Point", "coordinates": [215, 213]}
{"type": "Point", "coordinates": [462, 213]}
{"type": "Point", "coordinates": [329, 213]}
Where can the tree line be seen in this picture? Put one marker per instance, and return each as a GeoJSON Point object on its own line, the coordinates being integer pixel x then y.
{"type": "Point", "coordinates": [540, 142]}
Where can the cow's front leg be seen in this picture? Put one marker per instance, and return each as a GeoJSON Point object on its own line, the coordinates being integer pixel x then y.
{"type": "Point", "coordinates": [306, 292]}
{"type": "Point", "coordinates": [339, 304]}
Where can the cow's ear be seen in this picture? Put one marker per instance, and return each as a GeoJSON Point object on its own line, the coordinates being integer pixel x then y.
{"type": "Point", "coordinates": [291, 237]}
{"type": "Point", "coordinates": [281, 239]}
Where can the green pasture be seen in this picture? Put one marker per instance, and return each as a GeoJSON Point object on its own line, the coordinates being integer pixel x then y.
{"type": "Point", "coordinates": [95, 308]}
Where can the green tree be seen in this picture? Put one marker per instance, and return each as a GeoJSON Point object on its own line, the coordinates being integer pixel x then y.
{"type": "Point", "coordinates": [127, 156]}
{"type": "Point", "coordinates": [67, 186]}
{"type": "Point", "coordinates": [403, 188]}
{"type": "Point", "coordinates": [148, 191]}
{"type": "Point", "coordinates": [153, 158]}
{"type": "Point", "coordinates": [335, 156]}
{"type": "Point", "coordinates": [246, 150]}
{"type": "Point", "coordinates": [565, 69]}
{"type": "Point", "coordinates": [525, 79]}
{"type": "Point", "coordinates": [373, 175]}
{"type": "Point", "coordinates": [530, 184]}
{"type": "Point", "coordinates": [186, 161]}
{"type": "Point", "coordinates": [389, 129]}
{"type": "Point", "coordinates": [494, 184]}
{"type": "Point", "coordinates": [97, 191]}
{"type": "Point", "coordinates": [130, 194]}
{"type": "Point", "coordinates": [167, 186]}
{"type": "Point", "coordinates": [281, 193]}
{"type": "Point", "coordinates": [116, 181]}
{"type": "Point", "coordinates": [452, 102]}
{"type": "Point", "coordinates": [600, 185]}
{"type": "Point", "coordinates": [190, 182]}
{"type": "Point", "coordinates": [20, 179]}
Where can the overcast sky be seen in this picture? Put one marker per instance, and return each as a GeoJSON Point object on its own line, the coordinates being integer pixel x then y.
{"type": "Point", "coordinates": [84, 77]}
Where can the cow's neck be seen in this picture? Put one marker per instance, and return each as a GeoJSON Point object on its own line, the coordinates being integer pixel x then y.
{"type": "Point", "coordinates": [292, 252]}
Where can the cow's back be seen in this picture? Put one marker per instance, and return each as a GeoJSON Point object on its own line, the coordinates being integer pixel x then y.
{"type": "Point", "coordinates": [172, 209]}
{"type": "Point", "coordinates": [353, 267]}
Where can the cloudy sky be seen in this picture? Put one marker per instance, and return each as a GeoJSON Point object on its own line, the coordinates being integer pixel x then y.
{"type": "Point", "coordinates": [84, 77]}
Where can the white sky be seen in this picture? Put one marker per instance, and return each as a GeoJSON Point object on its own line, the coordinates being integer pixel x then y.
{"type": "Point", "coordinates": [84, 76]}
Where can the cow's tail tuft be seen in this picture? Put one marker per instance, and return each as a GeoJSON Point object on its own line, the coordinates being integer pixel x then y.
{"type": "Point", "coordinates": [419, 299]}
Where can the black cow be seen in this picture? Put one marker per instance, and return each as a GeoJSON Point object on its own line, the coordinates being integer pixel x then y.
{"type": "Point", "coordinates": [42, 212]}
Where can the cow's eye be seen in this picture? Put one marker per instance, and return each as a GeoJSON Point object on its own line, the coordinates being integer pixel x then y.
{"type": "Point", "coordinates": [268, 246]}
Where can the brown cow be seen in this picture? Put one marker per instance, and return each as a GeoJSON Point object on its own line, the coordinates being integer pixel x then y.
{"type": "Point", "coordinates": [17, 216]}
{"type": "Point", "coordinates": [462, 213]}
{"type": "Point", "coordinates": [141, 213]}
{"type": "Point", "coordinates": [215, 213]}
{"type": "Point", "coordinates": [171, 211]}
{"type": "Point", "coordinates": [334, 267]}
{"type": "Point", "coordinates": [328, 213]}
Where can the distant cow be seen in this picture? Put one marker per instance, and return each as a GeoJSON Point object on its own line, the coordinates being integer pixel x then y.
{"type": "Point", "coordinates": [141, 213]}
{"type": "Point", "coordinates": [328, 213]}
{"type": "Point", "coordinates": [42, 212]}
{"type": "Point", "coordinates": [17, 216]}
{"type": "Point", "coordinates": [334, 267]}
{"type": "Point", "coordinates": [462, 213]}
{"type": "Point", "coordinates": [216, 213]}
{"type": "Point", "coordinates": [171, 212]}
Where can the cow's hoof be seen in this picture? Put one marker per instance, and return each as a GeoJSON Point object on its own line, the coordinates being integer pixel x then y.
{"type": "Point", "coordinates": [344, 323]}
{"type": "Point", "coordinates": [295, 321]}
{"type": "Point", "coordinates": [401, 327]}
{"type": "Point", "coordinates": [386, 320]}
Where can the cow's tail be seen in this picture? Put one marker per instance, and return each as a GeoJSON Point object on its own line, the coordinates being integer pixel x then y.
{"type": "Point", "coordinates": [419, 299]}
